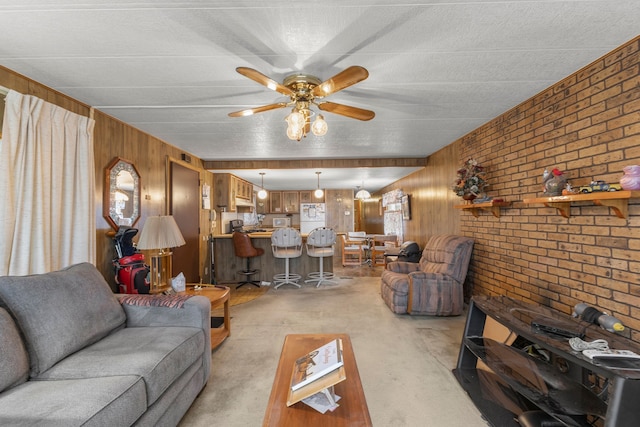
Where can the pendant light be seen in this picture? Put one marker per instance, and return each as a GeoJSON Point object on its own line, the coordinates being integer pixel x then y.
{"type": "Point", "coordinates": [362, 194]}
{"type": "Point", "coordinates": [262, 194]}
{"type": "Point", "coordinates": [318, 193]}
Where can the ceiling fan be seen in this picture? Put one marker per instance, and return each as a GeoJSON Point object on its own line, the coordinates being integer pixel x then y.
{"type": "Point", "coordinates": [303, 91]}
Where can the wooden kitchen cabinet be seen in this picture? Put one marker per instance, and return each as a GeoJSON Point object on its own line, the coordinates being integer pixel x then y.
{"type": "Point", "coordinates": [227, 187]}
{"type": "Point", "coordinates": [275, 202]}
{"type": "Point", "coordinates": [290, 201]}
{"type": "Point", "coordinates": [262, 205]}
{"type": "Point", "coordinates": [305, 196]}
{"type": "Point", "coordinates": [308, 196]}
{"type": "Point", "coordinates": [224, 192]}
{"type": "Point", "coordinates": [244, 189]}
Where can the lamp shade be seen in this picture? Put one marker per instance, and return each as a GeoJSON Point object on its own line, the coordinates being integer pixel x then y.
{"type": "Point", "coordinates": [160, 232]}
{"type": "Point", "coordinates": [363, 194]}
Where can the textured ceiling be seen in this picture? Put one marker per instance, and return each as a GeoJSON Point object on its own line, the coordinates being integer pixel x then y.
{"type": "Point", "coordinates": [438, 69]}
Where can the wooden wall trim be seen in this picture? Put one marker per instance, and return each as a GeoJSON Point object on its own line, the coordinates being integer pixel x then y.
{"type": "Point", "coordinates": [314, 163]}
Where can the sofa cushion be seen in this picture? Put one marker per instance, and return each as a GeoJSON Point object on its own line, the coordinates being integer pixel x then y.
{"type": "Point", "coordinates": [107, 401]}
{"type": "Point", "coordinates": [157, 354]}
{"type": "Point", "coordinates": [60, 312]}
{"type": "Point", "coordinates": [14, 366]}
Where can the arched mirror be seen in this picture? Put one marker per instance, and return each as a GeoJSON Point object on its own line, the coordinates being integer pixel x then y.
{"type": "Point", "coordinates": [121, 204]}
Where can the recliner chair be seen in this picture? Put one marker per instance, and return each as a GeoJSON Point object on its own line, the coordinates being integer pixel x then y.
{"type": "Point", "coordinates": [243, 248]}
{"type": "Point", "coordinates": [434, 286]}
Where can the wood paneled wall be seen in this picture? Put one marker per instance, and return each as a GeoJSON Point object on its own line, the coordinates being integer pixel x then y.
{"type": "Point", "coordinates": [432, 200]}
{"type": "Point", "coordinates": [151, 156]}
{"type": "Point", "coordinates": [372, 218]}
{"type": "Point", "coordinates": [113, 138]}
{"type": "Point", "coordinates": [338, 203]}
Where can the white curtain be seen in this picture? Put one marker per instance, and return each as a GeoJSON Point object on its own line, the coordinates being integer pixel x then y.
{"type": "Point", "coordinates": [47, 185]}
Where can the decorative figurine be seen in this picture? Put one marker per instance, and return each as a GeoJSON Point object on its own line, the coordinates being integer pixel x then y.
{"type": "Point", "coordinates": [568, 190]}
{"type": "Point", "coordinates": [631, 178]}
{"type": "Point", "coordinates": [554, 182]}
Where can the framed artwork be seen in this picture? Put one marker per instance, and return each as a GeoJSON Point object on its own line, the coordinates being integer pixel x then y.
{"type": "Point", "coordinates": [406, 207]}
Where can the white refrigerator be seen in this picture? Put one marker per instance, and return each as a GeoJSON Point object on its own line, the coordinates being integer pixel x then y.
{"type": "Point", "coordinates": [312, 215]}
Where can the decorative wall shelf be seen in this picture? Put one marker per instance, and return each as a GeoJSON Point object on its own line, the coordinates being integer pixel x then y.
{"type": "Point", "coordinates": [492, 206]}
{"type": "Point", "coordinates": [616, 200]}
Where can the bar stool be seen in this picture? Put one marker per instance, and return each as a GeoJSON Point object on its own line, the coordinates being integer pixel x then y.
{"type": "Point", "coordinates": [243, 248]}
{"type": "Point", "coordinates": [286, 243]}
{"type": "Point", "coordinates": [320, 244]}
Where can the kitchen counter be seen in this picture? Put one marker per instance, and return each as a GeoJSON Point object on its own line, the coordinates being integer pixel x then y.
{"type": "Point", "coordinates": [226, 264]}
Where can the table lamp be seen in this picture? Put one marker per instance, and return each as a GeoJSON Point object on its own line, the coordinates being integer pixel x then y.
{"type": "Point", "coordinates": [160, 233]}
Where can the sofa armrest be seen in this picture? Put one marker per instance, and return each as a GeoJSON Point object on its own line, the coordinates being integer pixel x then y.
{"type": "Point", "coordinates": [403, 267]}
{"type": "Point", "coordinates": [194, 312]}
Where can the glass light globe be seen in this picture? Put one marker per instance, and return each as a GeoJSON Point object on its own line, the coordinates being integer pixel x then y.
{"type": "Point", "coordinates": [319, 127]}
{"type": "Point", "coordinates": [262, 194]}
{"type": "Point", "coordinates": [296, 118]}
{"type": "Point", "coordinates": [294, 133]}
{"type": "Point", "coordinates": [318, 193]}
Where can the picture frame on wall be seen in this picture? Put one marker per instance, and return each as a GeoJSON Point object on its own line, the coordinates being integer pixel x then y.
{"type": "Point", "coordinates": [406, 207]}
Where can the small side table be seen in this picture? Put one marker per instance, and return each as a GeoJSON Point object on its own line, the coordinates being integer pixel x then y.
{"type": "Point", "coordinates": [219, 296]}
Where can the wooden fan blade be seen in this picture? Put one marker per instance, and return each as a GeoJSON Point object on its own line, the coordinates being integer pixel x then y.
{"type": "Point", "coordinates": [250, 111]}
{"type": "Point", "coordinates": [257, 76]}
{"type": "Point", "coordinates": [343, 79]}
{"type": "Point", "coordinates": [346, 110]}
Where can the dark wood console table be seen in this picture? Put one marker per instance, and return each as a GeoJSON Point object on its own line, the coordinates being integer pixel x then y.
{"type": "Point", "coordinates": [508, 368]}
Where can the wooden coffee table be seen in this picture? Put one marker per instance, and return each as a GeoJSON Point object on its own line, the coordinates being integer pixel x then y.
{"type": "Point", "coordinates": [353, 410]}
{"type": "Point", "coordinates": [219, 296]}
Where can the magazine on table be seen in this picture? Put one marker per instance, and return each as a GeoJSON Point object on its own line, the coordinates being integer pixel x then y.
{"type": "Point", "coordinates": [317, 363]}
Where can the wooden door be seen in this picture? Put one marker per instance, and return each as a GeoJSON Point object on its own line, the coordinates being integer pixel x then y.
{"type": "Point", "coordinates": [184, 198]}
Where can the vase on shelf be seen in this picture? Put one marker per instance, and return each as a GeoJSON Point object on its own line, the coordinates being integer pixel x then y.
{"type": "Point", "coordinates": [469, 198]}
{"type": "Point", "coordinates": [631, 178]}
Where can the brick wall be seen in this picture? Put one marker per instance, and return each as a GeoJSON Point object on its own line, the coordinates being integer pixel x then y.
{"type": "Point", "coordinates": [587, 125]}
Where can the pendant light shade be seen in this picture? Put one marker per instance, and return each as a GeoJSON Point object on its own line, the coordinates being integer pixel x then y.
{"type": "Point", "coordinates": [362, 194]}
{"type": "Point", "coordinates": [318, 193]}
{"type": "Point", "coordinates": [262, 194]}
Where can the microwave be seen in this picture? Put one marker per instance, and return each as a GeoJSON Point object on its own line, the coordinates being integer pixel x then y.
{"type": "Point", "coordinates": [281, 222]}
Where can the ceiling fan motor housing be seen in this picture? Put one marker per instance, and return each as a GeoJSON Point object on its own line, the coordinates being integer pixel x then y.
{"type": "Point", "coordinates": [301, 84]}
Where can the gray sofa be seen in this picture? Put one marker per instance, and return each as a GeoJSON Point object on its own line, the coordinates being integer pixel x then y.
{"type": "Point", "coordinates": [73, 353]}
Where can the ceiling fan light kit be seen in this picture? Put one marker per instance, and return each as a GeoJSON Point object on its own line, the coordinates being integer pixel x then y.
{"type": "Point", "coordinates": [303, 91]}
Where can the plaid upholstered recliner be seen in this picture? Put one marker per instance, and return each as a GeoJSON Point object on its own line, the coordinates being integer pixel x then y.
{"type": "Point", "coordinates": [434, 286]}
